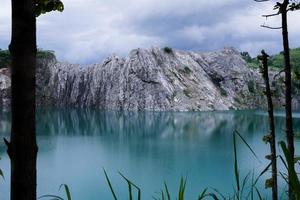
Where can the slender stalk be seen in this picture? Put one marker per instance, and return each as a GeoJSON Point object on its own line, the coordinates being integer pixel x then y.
{"type": "Point", "coordinates": [272, 138]}
{"type": "Point", "coordinates": [288, 85]}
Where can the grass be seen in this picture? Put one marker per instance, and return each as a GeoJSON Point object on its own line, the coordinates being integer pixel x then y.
{"type": "Point", "coordinates": [1, 172]}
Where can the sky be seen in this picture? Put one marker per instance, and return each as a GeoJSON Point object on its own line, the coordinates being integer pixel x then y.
{"type": "Point", "coordinates": [90, 30]}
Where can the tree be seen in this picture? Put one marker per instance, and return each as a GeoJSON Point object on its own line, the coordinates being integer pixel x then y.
{"type": "Point", "coordinates": [22, 148]}
{"type": "Point", "coordinates": [282, 9]}
{"type": "Point", "coordinates": [270, 138]}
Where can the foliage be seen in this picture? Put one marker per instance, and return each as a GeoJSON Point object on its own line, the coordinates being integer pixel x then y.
{"type": "Point", "coordinates": [1, 173]}
{"type": "Point", "coordinates": [168, 50]}
{"type": "Point", "coordinates": [44, 6]}
{"type": "Point", "coordinates": [5, 57]}
{"type": "Point", "coordinates": [275, 61]}
{"type": "Point", "coordinates": [55, 197]}
{"type": "Point", "coordinates": [223, 92]}
{"type": "Point", "coordinates": [289, 164]}
{"type": "Point", "coordinates": [251, 86]}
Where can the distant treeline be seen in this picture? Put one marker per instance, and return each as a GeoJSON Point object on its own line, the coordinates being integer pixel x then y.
{"type": "Point", "coordinates": [5, 57]}
{"type": "Point", "coordinates": [276, 61]}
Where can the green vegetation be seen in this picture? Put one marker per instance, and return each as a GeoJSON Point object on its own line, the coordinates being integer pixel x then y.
{"type": "Point", "coordinates": [186, 70]}
{"type": "Point", "coordinates": [5, 57]}
{"type": "Point", "coordinates": [1, 173]}
{"type": "Point", "coordinates": [251, 86]}
{"type": "Point", "coordinates": [188, 92]}
{"type": "Point", "coordinates": [223, 92]}
{"type": "Point", "coordinates": [275, 61]}
{"type": "Point", "coordinates": [168, 50]}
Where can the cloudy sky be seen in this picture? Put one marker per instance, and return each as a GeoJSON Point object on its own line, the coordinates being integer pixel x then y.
{"type": "Point", "coordinates": [90, 30]}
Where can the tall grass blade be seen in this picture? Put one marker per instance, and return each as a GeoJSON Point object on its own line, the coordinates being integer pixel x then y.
{"type": "Point", "coordinates": [249, 147]}
{"type": "Point", "coordinates": [203, 194]}
{"type": "Point", "coordinates": [236, 170]}
{"type": "Point", "coordinates": [130, 188]}
{"type": "Point", "coordinates": [181, 189]}
{"type": "Point", "coordinates": [262, 173]}
{"type": "Point", "coordinates": [67, 191]}
{"type": "Point", "coordinates": [258, 194]}
{"type": "Point", "coordinates": [245, 182]}
{"type": "Point", "coordinates": [167, 191]}
{"type": "Point", "coordinates": [162, 195]}
{"type": "Point", "coordinates": [212, 195]}
{"type": "Point", "coordinates": [110, 186]}
{"type": "Point", "coordinates": [294, 180]}
{"type": "Point", "coordinates": [54, 197]}
{"type": "Point", "coordinates": [1, 174]}
{"type": "Point", "coordinates": [219, 193]}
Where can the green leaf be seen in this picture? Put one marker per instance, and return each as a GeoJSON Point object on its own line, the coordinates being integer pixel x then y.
{"type": "Point", "coordinates": [67, 191]}
{"type": "Point", "coordinates": [236, 170]}
{"type": "Point", "coordinates": [245, 142]}
{"type": "Point", "coordinates": [44, 6]}
{"type": "Point", "coordinates": [269, 183]}
{"type": "Point", "coordinates": [293, 178]}
{"type": "Point", "coordinates": [167, 191]}
{"type": "Point", "coordinates": [203, 194]}
{"type": "Point", "coordinates": [1, 174]}
{"type": "Point", "coordinates": [129, 187]}
{"type": "Point", "coordinates": [109, 184]}
{"type": "Point", "coordinates": [51, 196]}
{"type": "Point", "coordinates": [262, 173]}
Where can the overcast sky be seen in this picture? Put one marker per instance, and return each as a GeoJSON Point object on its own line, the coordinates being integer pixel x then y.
{"type": "Point", "coordinates": [90, 30]}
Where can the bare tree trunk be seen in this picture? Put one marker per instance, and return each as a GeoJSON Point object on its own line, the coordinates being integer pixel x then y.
{"type": "Point", "coordinates": [288, 85]}
{"type": "Point", "coordinates": [22, 149]}
{"type": "Point", "coordinates": [272, 138]}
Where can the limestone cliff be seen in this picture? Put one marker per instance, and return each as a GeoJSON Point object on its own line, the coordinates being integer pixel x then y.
{"type": "Point", "coordinates": [149, 79]}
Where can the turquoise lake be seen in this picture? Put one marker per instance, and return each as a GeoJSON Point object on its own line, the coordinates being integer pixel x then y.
{"type": "Point", "coordinates": [147, 147]}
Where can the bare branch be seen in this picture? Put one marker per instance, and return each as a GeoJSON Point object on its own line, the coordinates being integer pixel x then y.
{"type": "Point", "coordinates": [270, 27]}
{"type": "Point", "coordinates": [261, 0]}
{"type": "Point", "coordinates": [271, 15]}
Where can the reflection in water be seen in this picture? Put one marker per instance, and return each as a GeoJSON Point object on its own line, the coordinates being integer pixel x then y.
{"type": "Point", "coordinates": [143, 124]}
{"type": "Point", "coordinates": [146, 124]}
{"type": "Point", "coordinates": [149, 147]}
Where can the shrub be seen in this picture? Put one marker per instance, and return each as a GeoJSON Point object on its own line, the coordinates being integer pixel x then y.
{"type": "Point", "coordinates": [168, 50]}
{"type": "Point", "coordinates": [251, 86]}
{"type": "Point", "coordinates": [223, 92]}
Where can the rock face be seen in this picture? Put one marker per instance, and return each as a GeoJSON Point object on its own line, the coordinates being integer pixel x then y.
{"type": "Point", "coordinates": [149, 79]}
{"type": "Point", "coordinates": [4, 86]}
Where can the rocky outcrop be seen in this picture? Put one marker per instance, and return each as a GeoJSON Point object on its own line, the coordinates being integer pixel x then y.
{"type": "Point", "coordinates": [150, 79]}
{"type": "Point", "coordinates": [4, 86]}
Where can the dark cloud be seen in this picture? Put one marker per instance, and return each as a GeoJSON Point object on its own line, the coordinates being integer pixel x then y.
{"type": "Point", "coordinates": [87, 31]}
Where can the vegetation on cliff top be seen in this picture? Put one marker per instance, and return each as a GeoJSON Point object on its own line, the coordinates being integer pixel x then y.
{"type": "Point", "coordinates": [5, 57]}
{"type": "Point", "coordinates": [275, 61]}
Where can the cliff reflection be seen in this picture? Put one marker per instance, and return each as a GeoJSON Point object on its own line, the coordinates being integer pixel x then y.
{"type": "Point", "coordinates": [147, 124]}
{"type": "Point", "coordinates": [88, 122]}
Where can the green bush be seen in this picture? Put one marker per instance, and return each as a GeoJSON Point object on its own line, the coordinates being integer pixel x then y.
{"type": "Point", "coordinates": [5, 57]}
{"type": "Point", "coordinates": [168, 50]}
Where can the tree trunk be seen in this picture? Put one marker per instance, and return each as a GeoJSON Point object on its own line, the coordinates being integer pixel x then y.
{"type": "Point", "coordinates": [22, 149]}
{"type": "Point", "coordinates": [272, 139]}
{"type": "Point", "coordinates": [288, 85]}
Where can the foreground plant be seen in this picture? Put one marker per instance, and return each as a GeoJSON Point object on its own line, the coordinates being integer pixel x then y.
{"type": "Point", "coordinates": [271, 137]}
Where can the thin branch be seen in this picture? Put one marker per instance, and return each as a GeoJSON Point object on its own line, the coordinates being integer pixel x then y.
{"type": "Point", "coordinates": [270, 27]}
{"type": "Point", "coordinates": [271, 15]}
{"type": "Point", "coordinates": [261, 0]}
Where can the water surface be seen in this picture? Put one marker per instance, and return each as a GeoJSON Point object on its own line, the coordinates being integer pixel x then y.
{"type": "Point", "coordinates": [147, 147]}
